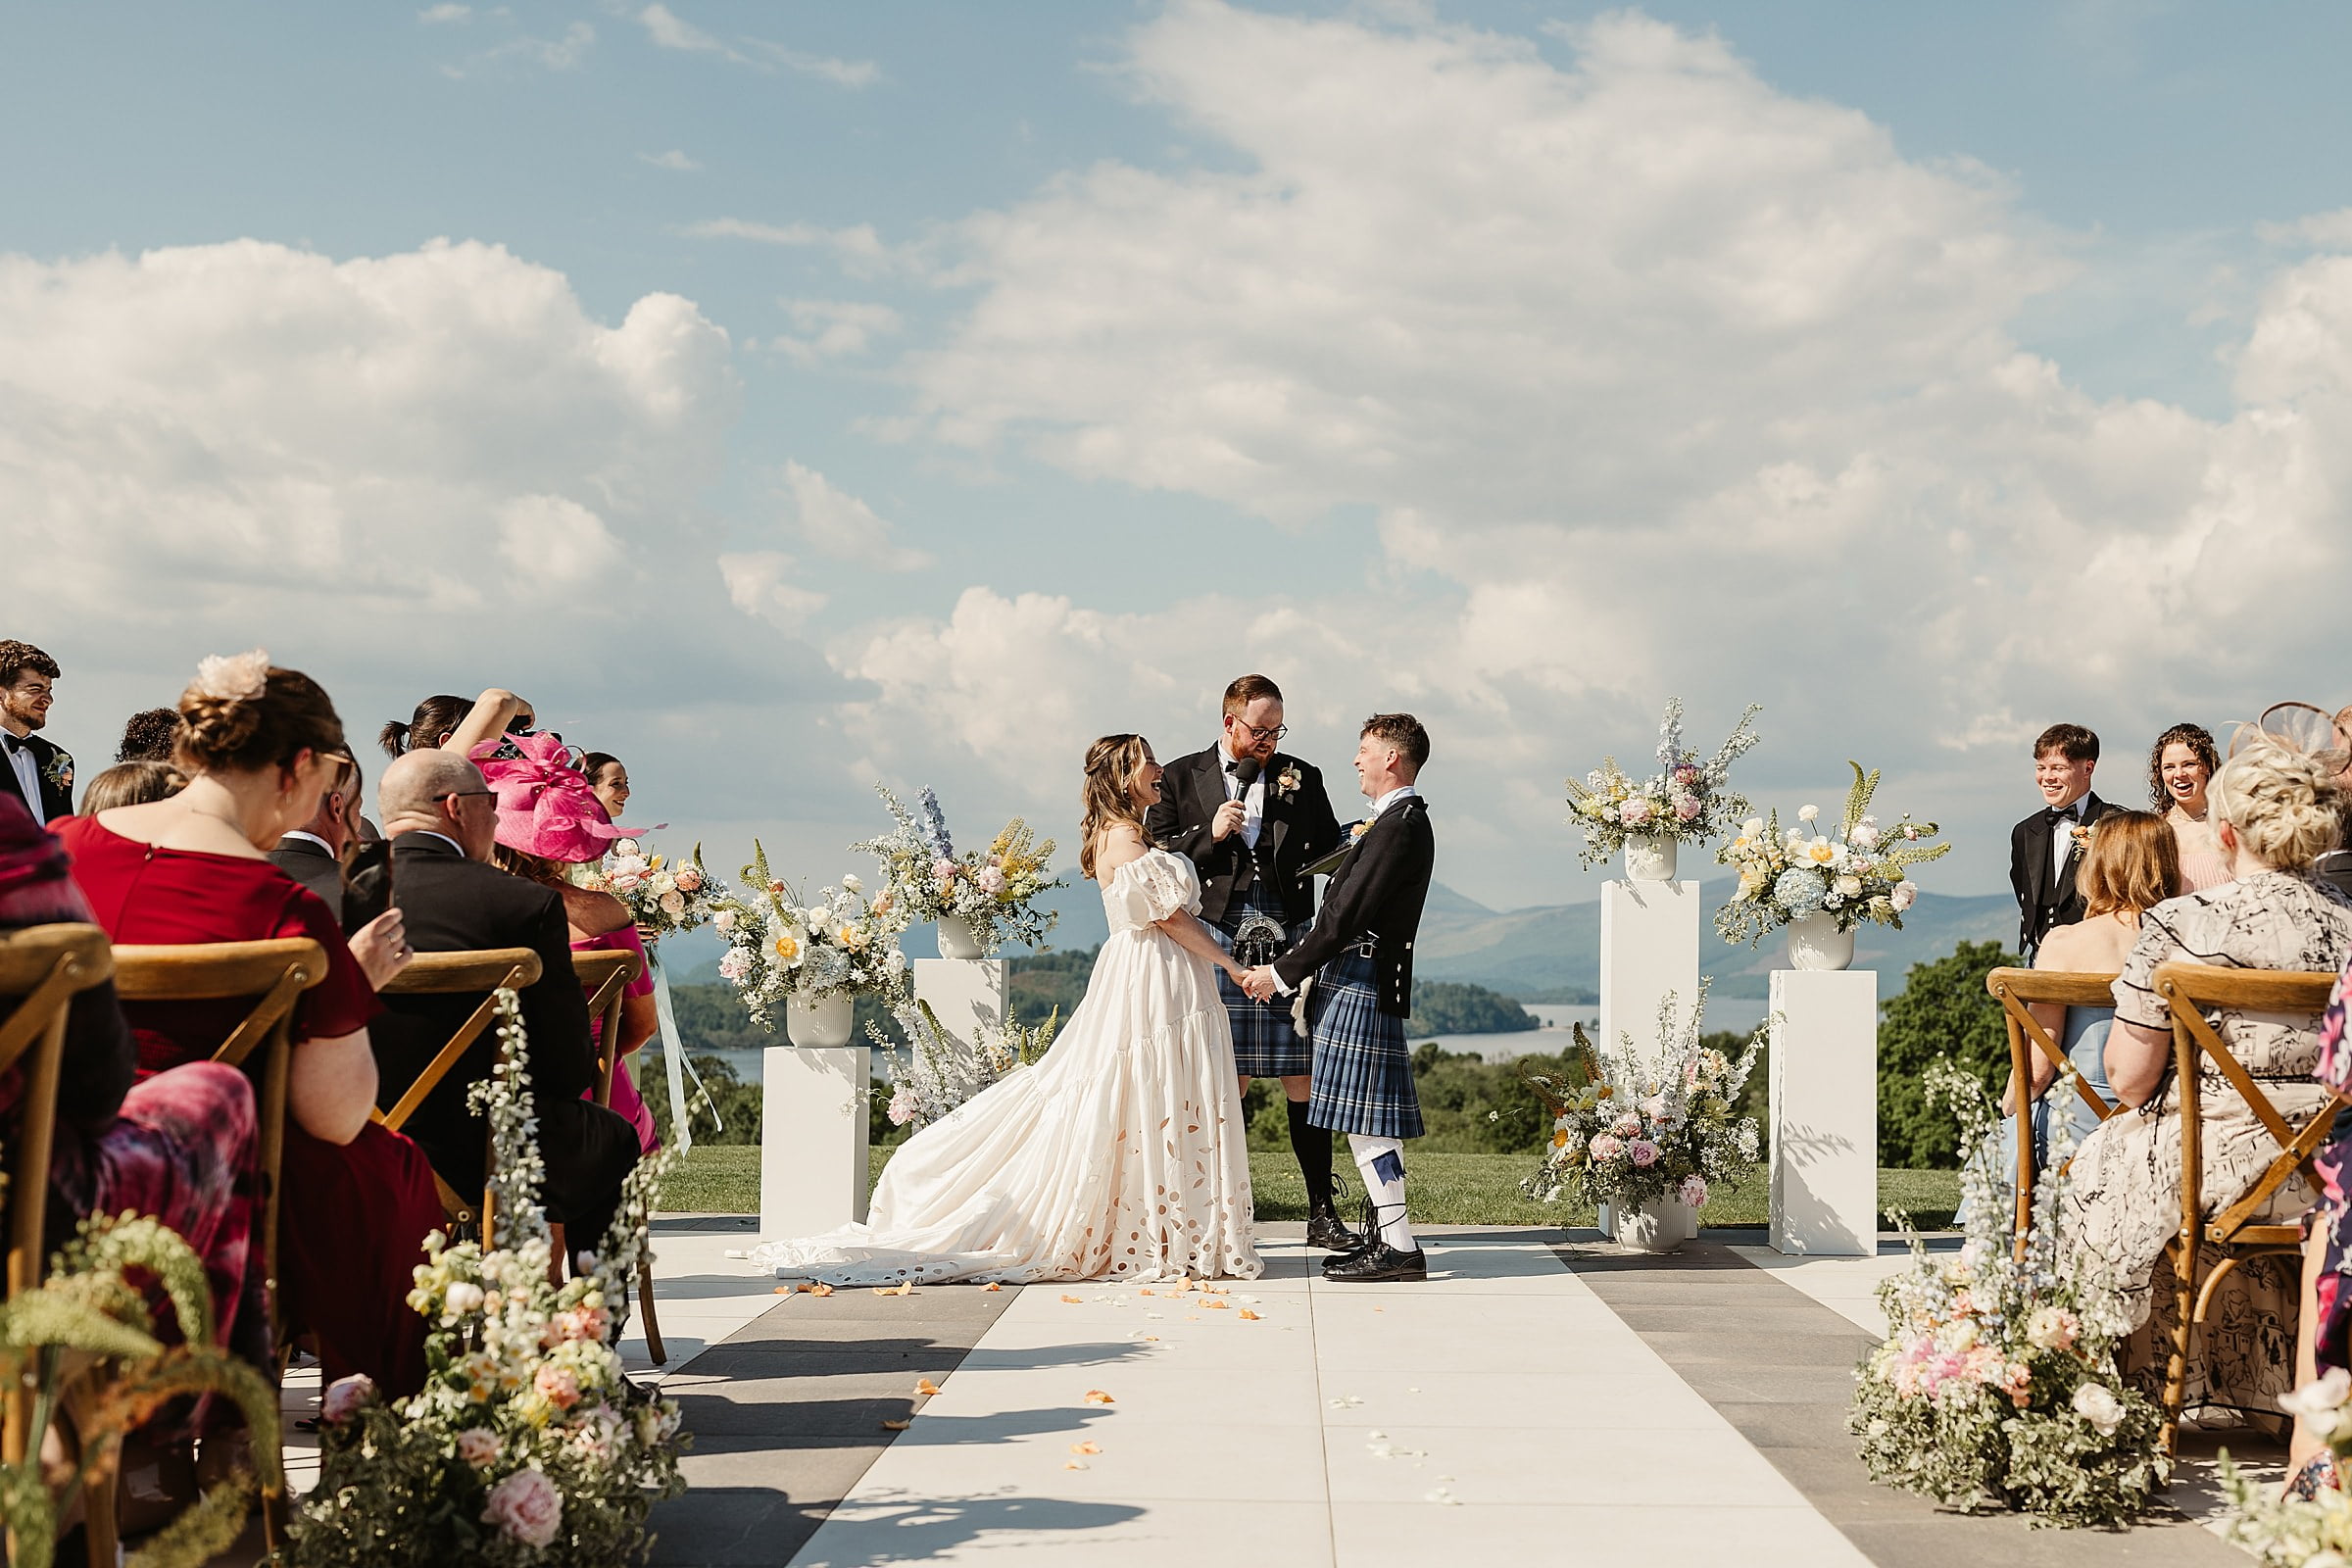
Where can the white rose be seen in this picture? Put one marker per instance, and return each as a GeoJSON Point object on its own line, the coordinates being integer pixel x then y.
{"type": "Point", "coordinates": [1865, 837]}
{"type": "Point", "coordinates": [624, 846]}
{"type": "Point", "coordinates": [1808, 814]}
{"type": "Point", "coordinates": [1850, 886]}
{"type": "Point", "coordinates": [849, 884]}
{"type": "Point", "coordinates": [1905, 895]}
{"type": "Point", "coordinates": [1753, 827]}
{"type": "Point", "coordinates": [2097, 1404]}
{"type": "Point", "coordinates": [463, 1297]}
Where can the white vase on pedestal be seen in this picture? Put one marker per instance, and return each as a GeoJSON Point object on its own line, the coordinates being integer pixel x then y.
{"type": "Point", "coordinates": [956, 939]}
{"type": "Point", "coordinates": [815, 1023]}
{"type": "Point", "coordinates": [1650, 858]}
{"type": "Point", "coordinates": [1816, 943]}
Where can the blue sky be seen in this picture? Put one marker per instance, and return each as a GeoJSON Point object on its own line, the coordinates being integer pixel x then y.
{"type": "Point", "coordinates": [1925, 373]}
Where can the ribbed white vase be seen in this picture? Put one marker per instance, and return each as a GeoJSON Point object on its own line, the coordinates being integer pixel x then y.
{"type": "Point", "coordinates": [956, 939]}
{"type": "Point", "coordinates": [1816, 943]}
{"type": "Point", "coordinates": [818, 1024]}
{"type": "Point", "coordinates": [1650, 858]}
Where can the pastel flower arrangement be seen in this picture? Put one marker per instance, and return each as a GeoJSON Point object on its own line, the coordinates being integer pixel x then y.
{"type": "Point", "coordinates": [994, 890]}
{"type": "Point", "coordinates": [663, 895]}
{"type": "Point", "coordinates": [1636, 1131]}
{"type": "Point", "coordinates": [1686, 800]}
{"type": "Point", "coordinates": [935, 1071]}
{"type": "Point", "coordinates": [781, 945]}
{"type": "Point", "coordinates": [1997, 1386]}
{"type": "Point", "coordinates": [528, 1444]}
{"type": "Point", "coordinates": [2295, 1532]}
{"type": "Point", "coordinates": [1859, 876]}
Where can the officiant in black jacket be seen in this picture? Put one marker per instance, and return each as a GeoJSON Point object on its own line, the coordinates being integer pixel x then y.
{"type": "Point", "coordinates": [2046, 848]}
{"type": "Point", "coordinates": [1252, 818]}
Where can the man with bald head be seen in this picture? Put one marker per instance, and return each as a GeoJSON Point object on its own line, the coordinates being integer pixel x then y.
{"type": "Point", "coordinates": [442, 819]}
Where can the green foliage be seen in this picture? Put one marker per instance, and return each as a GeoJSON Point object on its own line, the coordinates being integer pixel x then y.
{"type": "Point", "coordinates": [1451, 1008]}
{"type": "Point", "coordinates": [1046, 982]}
{"type": "Point", "coordinates": [1943, 1011]}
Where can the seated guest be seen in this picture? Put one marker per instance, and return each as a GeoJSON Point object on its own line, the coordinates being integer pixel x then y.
{"type": "Point", "coordinates": [2275, 809]}
{"type": "Point", "coordinates": [2130, 867]}
{"type": "Point", "coordinates": [132, 784]}
{"type": "Point", "coordinates": [2181, 767]}
{"type": "Point", "coordinates": [147, 736]}
{"type": "Point", "coordinates": [609, 779]}
{"type": "Point", "coordinates": [563, 831]}
{"type": "Point", "coordinates": [260, 745]}
{"type": "Point", "coordinates": [316, 852]}
{"type": "Point", "coordinates": [456, 723]}
{"type": "Point", "coordinates": [178, 1145]}
{"type": "Point", "coordinates": [444, 823]}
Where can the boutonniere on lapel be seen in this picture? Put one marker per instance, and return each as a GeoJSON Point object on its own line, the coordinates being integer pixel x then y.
{"type": "Point", "coordinates": [2078, 841]}
{"type": "Point", "coordinates": [60, 771]}
{"type": "Point", "coordinates": [1359, 830]}
{"type": "Point", "coordinates": [1287, 785]}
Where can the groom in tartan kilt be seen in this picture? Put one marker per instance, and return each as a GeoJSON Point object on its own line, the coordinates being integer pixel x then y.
{"type": "Point", "coordinates": [1359, 955]}
{"type": "Point", "coordinates": [1252, 818]}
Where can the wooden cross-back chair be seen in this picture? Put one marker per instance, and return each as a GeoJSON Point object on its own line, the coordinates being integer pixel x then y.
{"type": "Point", "coordinates": [43, 968]}
{"type": "Point", "coordinates": [2017, 991]}
{"type": "Point", "coordinates": [487, 973]}
{"type": "Point", "coordinates": [2241, 1232]}
{"type": "Point", "coordinates": [274, 973]}
{"type": "Point", "coordinates": [607, 973]}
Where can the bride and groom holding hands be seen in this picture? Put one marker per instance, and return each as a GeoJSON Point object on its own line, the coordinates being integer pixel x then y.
{"type": "Point", "coordinates": [1123, 1152]}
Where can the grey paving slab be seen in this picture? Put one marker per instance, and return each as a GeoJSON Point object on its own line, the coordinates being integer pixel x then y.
{"type": "Point", "coordinates": [1779, 1366]}
{"type": "Point", "coordinates": [788, 1413]}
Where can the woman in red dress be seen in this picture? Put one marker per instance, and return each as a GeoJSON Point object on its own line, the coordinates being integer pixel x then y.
{"type": "Point", "coordinates": [260, 746]}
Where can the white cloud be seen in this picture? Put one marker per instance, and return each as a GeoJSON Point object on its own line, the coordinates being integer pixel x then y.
{"type": "Point", "coordinates": [669, 30]}
{"type": "Point", "coordinates": [1656, 379]}
{"type": "Point", "coordinates": [838, 524]}
{"type": "Point", "coordinates": [858, 246]}
{"type": "Point", "coordinates": [444, 14]}
{"type": "Point", "coordinates": [835, 328]}
{"type": "Point", "coordinates": [548, 54]}
{"type": "Point", "coordinates": [761, 583]}
{"type": "Point", "coordinates": [672, 158]}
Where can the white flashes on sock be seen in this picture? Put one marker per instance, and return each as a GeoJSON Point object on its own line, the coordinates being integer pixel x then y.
{"type": "Point", "coordinates": [1381, 1161]}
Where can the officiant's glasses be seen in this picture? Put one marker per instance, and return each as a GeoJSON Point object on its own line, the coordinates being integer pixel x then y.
{"type": "Point", "coordinates": [1277, 732]}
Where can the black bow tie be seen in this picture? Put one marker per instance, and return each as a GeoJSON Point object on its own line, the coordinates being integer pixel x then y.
{"type": "Point", "coordinates": [2053, 815]}
{"type": "Point", "coordinates": [13, 743]}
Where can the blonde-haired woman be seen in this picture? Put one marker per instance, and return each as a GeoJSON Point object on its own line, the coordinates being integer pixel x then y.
{"type": "Point", "coordinates": [1123, 1153]}
{"type": "Point", "coordinates": [2132, 865]}
{"type": "Point", "coordinates": [2274, 811]}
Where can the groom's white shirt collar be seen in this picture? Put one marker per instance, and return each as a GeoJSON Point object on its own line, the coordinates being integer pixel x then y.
{"type": "Point", "coordinates": [1399, 793]}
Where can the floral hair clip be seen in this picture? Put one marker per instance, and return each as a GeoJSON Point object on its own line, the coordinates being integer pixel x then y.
{"type": "Point", "coordinates": [235, 677]}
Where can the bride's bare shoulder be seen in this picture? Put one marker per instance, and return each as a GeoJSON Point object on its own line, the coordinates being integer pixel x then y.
{"type": "Point", "coordinates": [1115, 845]}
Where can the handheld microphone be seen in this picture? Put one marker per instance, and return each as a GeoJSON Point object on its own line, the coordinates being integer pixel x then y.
{"type": "Point", "coordinates": [1245, 770]}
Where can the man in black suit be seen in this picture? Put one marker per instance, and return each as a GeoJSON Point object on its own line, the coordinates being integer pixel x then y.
{"type": "Point", "coordinates": [39, 771]}
{"type": "Point", "coordinates": [1359, 952]}
{"type": "Point", "coordinates": [443, 823]}
{"type": "Point", "coordinates": [313, 854]}
{"type": "Point", "coordinates": [2046, 848]}
{"type": "Point", "coordinates": [1252, 818]}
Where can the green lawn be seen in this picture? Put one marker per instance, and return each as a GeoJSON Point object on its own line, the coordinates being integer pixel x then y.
{"type": "Point", "coordinates": [1446, 1190]}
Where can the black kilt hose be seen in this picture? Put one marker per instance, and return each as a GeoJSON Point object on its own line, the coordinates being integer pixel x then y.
{"type": "Point", "coordinates": [1265, 1044]}
{"type": "Point", "coordinates": [1364, 1071]}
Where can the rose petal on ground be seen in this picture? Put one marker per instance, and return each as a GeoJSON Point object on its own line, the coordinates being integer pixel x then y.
{"type": "Point", "coordinates": [925, 1387]}
{"type": "Point", "coordinates": [895, 1426]}
{"type": "Point", "coordinates": [1098, 1396]}
{"type": "Point", "coordinates": [1085, 1447]}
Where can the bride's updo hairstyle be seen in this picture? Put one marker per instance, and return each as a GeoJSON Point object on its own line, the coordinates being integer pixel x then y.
{"type": "Point", "coordinates": [1113, 764]}
{"type": "Point", "coordinates": [243, 713]}
{"type": "Point", "coordinates": [2281, 803]}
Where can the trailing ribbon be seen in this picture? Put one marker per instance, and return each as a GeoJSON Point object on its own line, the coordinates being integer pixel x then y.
{"type": "Point", "coordinates": [674, 1055]}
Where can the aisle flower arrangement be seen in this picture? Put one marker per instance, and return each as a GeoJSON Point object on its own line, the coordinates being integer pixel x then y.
{"type": "Point", "coordinates": [1686, 800]}
{"type": "Point", "coordinates": [838, 944]}
{"type": "Point", "coordinates": [528, 1444]}
{"type": "Point", "coordinates": [1997, 1387]}
{"type": "Point", "coordinates": [2297, 1532]}
{"type": "Point", "coordinates": [1859, 876]}
{"type": "Point", "coordinates": [1635, 1131]}
{"type": "Point", "coordinates": [936, 1070]}
{"type": "Point", "coordinates": [994, 890]}
{"type": "Point", "coordinates": [663, 895]}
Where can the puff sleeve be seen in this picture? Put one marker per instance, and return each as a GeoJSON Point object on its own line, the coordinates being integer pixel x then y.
{"type": "Point", "coordinates": [1151, 888]}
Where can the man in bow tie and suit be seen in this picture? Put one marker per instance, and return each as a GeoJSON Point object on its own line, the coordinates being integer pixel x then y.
{"type": "Point", "coordinates": [1252, 818]}
{"type": "Point", "coordinates": [2046, 848]}
{"type": "Point", "coordinates": [40, 771]}
{"type": "Point", "coordinates": [315, 853]}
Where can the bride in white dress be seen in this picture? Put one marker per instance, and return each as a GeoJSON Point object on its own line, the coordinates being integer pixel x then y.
{"type": "Point", "coordinates": [1121, 1153]}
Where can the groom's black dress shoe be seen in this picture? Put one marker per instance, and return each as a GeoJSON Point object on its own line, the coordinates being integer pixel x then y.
{"type": "Point", "coordinates": [1377, 1264]}
{"type": "Point", "coordinates": [1325, 1230]}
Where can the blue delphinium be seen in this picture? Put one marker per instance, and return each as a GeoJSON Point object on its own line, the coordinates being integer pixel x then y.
{"type": "Point", "coordinates": [935, 825]}
{"type": "Point", "coordinates": [1800, 891]}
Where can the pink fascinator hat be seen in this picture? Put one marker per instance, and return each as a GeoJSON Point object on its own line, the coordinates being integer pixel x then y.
{"type": "Point", "coordinates": [545, 806]}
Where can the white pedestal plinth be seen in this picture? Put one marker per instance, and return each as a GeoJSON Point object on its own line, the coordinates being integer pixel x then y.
{"type": "Point", "coordinates": [1649, 947]}
{"type": "Point", "coordinates": [967, 994]}
{"type": "Point", "coordinates": [1825, 1112]}
{"type": "Point", "coordinates": [812, 1111]}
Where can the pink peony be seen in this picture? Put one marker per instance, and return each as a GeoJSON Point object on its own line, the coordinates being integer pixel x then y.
{"type": "Point", "coordinates": [1605, 1148]}
{"type": "Point", "coordinates": [1693, 1192]}
{"type": "Point", "coordinates": [943, 868]}
{"type": "Point", "coordinates": [992, 880]}
{"type": "Point", "coordinates": [1633, 812]}
{"type": "Point", "coordinates": [1687, 807]}
{"type": "Point", "coordinates": [585, 1323]}
{"type": "Point", "coordinates": [527, 1506]}
{"type": "Point", "coordinates": [690, 879]}
{"type": "Point", "coordinates": [478, 1446]}
{"type": "Point", "coordinates": [558, 1387]}
{"type": "Point", "coordinates": [1642, 1153]}
{"type": "Point", "coordinates": [902, 1107]}
{"type": "Point", "coordinates": [673, 904]}
{"type": "Point", "coordinates": [725, 919]}
{"type": "Point", "coordinates": [1628, 1125]}
{"type": "Point", "coordinates": [345, 1397]}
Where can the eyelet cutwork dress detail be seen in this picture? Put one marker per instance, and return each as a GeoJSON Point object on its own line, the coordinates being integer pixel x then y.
{"type": "Point", "coordinates": [1120, 1154]}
